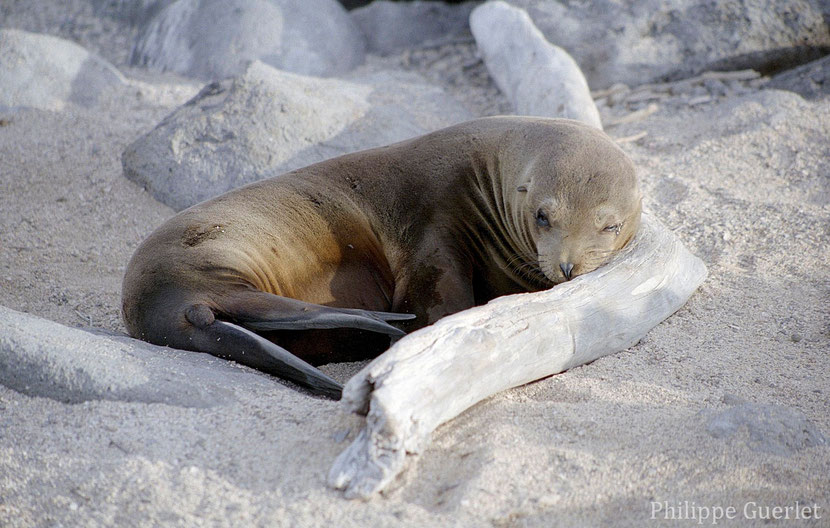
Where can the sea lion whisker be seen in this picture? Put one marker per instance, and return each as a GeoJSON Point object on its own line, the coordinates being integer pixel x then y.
{"type": "Point", "coordinates": [600, 256]}
{"type": "Point", "coordinates": [517, 258]}
{"type": "Point", "coordinates": [525, 268]}
{"type": "Point", "coordinates": [528, 268]}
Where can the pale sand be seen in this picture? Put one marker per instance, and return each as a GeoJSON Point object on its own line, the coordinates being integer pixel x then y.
{"type": "Point", "coordinates": [744, 182]}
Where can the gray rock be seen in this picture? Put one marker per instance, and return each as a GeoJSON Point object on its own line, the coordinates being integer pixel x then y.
{"type": "Point", "coordinates": [42, 358]}
{"type": "Point", "coordinates": [214, 39]}
{"type": "Point", "coordinates": [392, 26]}
{"type": "Point", "coordinates": [537, 77]}
{"type": "Point", "coordinates": [268, 121]}
{"type": "Point", "coordinates": [648, 40]}
{"type": "Point", "coordinates": [41, 71]}
{"type": "Point", "coordinates": [811, 81]}
{"type": "Point", "coordinates": [133, 12]}
{"type": "Point", "coordinates": [772, 428]}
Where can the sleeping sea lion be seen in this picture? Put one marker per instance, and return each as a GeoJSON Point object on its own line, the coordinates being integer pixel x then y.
{"type": "Point", "coordinates": [319, 261]}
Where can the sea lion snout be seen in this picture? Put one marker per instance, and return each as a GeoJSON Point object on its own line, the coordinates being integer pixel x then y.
{"type": "Point", "coordinates": [567, 249]}
{"type": "Point", "coordinates": [559, 258]}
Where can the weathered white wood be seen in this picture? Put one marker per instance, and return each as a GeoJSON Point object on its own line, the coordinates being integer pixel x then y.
{"type": "Point", "coordinates": [434, 374]}
{"type": "Point", "coordinates": [538, 78]}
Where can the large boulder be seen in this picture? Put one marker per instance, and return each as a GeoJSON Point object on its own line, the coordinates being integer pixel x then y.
{"type": "Point", "coordinates": [269, 121]}
{"type": "Point", "coordinates": [390, 27]}
{"type": "Point", "coordinates": [811, 80]}
{"type": "Point", "coordinates": [214, 39]}
{"type": "Point", "coordinates": [133, 12]}
{"type": "Point", "coordinates": [41, 71]}
{"type": "Point", "coordinates": [646, 40]}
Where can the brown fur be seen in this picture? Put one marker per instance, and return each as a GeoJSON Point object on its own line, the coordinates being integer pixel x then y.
{"type": "Point", "coordinates": [429, 226]}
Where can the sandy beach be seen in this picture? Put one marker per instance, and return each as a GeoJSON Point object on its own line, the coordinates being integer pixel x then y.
{"type": "Point", "coordinates": [725, 404]}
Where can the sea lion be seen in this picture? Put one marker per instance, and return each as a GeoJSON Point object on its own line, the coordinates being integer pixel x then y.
{"type": "Point", "coordinates": [406, 233]}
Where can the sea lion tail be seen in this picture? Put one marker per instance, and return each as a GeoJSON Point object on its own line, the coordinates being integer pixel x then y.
{"type": "Point", "coordinates": [230, 341]}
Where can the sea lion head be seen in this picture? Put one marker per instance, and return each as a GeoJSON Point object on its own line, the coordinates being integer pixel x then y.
{"type": "Point", "coordinates": [582, 202]}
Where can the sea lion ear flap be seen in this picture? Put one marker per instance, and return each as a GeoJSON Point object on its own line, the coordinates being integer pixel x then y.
{"type": "Point", "coordinates": [522, 188]}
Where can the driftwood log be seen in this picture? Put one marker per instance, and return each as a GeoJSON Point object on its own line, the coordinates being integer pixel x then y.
{"type": "Point", "coordinates": [434, 374]}
{"type": "Point", "coordinates": [538, 78]}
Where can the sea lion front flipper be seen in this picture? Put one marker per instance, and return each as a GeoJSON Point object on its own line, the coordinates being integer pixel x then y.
{"type": "Point", "coordinates": [324, 317]}
{"type": "Point", "coordinates": [264, 311]}
{"type": "Point", "coordinates": [229, 341]}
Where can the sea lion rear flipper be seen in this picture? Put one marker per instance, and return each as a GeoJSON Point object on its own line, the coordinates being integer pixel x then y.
{"type": "Point", "coordinates": [229, 341]}
{"type": "Point", "coordinates": [264, 311]}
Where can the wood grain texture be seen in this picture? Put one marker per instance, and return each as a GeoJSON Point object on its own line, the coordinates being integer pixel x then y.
{"type": "Point", "coordinates": [434, 374]}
